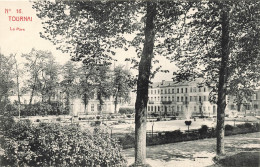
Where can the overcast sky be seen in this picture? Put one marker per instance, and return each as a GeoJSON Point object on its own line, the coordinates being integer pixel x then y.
{"type": "Point", "coordinates": [23, 41]}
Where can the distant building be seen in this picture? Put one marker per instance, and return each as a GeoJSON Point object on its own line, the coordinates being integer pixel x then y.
{"type": "Point", "coordinates": [248, 106]}
{"type": "Point", "coordinates": [185, 98]}
{"type": "Point", "coordinates": [192, 99]}
{"type": "Point", "coordinates": [93, 107]}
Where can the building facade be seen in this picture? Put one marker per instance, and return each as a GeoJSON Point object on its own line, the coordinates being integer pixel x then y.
{"type": "Point", "coordinates": [181, 99]}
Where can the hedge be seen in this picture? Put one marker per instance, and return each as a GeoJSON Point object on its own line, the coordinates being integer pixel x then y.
{"type": "Point", "coordinates": [127, 141]}
{"type": "Point", "coordinates": [126, 110]}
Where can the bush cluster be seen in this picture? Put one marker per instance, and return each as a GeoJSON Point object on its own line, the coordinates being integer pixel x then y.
{"type": "Point", "coordinates": [126, 110]}
{"type": "Point", "coordinates": [40, 108]}
{"type": "Point", "coordinates": [55, 145]}
{"type": "Point", "coordinates": [127, 141]}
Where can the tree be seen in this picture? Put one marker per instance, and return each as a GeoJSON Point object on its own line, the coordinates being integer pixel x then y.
{"type": "Point", "coordinates": [49, 78]}
{"type": "Point", "coordinates": [68, 83]}
{"type": "Point", "coordinates": [102, 84]}
{"type": "Point", "coordinates": [17, 75]}
{"type": "Point", "coordinates": [35, 65]}
{"type": "Point", "coordinates": [85, 29]}
{"type": "Point", "coordinates": [122, 84]}
{"type": "Point", "coordinates": [222, 47]}
{"type": "Point", "coordinates": [6, 82]}
{"type": "Point", "coordinates": [86, 84]}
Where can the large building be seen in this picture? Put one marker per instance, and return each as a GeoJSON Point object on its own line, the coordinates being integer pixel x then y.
{"type": "Point", "coordinates": [185, 99]}
{"type": "Point", "coordinates": [192, 99]}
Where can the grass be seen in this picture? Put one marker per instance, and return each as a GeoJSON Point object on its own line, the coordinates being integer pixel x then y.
{"type": "Point", "coordinates": [242, 159]}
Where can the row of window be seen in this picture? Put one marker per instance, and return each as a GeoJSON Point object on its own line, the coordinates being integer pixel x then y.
{"type": "Point", "coordinates": [180, 108]}
{"type": "Point", "coordinates": [179, 98]}
{"type": "Point", "coordinates": [178, 90]}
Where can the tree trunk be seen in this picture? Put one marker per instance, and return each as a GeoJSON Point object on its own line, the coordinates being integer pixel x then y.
{"type": "Point", "coordinates": [32, 94]}
{"type": "Point", "coordinates": [222, 89]}
{"type": "Point", "coordinates": [143, 85]}
{"type": "Point", "coordinates": [116, 100]}
{"type": "Point", "coordinates": [18, 89]}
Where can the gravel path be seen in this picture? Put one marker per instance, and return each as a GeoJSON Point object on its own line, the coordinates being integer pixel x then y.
{"type": "Point", "coordinates": [198, 153]}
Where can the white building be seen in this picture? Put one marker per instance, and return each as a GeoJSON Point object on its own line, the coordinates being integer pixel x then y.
{"type": "Point", "coordinates": [185, 98]}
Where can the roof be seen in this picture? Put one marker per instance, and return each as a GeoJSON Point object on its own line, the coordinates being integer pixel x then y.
{"type": "Point", "coordinates": [164, 83]}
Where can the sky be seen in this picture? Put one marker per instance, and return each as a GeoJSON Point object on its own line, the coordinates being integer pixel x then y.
{"type": "Point", "coordinates": [19, 37]}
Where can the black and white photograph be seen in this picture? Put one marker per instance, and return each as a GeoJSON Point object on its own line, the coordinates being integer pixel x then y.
{"type": "Point", "coordinates": [130, 83]}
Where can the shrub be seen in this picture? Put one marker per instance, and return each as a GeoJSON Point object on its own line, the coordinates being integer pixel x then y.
{"type": "Point", "coordinates": [173, 118]}
{"type": "Point", "coordinates": [56, 145]}
{"type": "Point", "coordinates": [20, 130]}
{"type": "Point", "coordinates": [126, 110]}
{"type": "Point", "coordinates": [248, 125]}
{"type": "Point", "coordinates": [98, 117]}
{"type": "Point", "coordinates": [129, 116]}
{"type": "Point", "coordinates": [37, 120]}
{"type": "Point", "coordinates": [203, 130]}
{"type": "Point", "coordinates": [229, 127]}
{"type": "Point", "coordinates": [6, 122]}
{"type": "Point", "coordinates": [154, 114]}
{"type": "Point", "coordinates": [58, 119]}
{"type": "Point", "coordinates": [158, 119]}
{"type": "Point", "coordinates": [174, 134]}
{"type": "Point", "coordinates": [121, 121]}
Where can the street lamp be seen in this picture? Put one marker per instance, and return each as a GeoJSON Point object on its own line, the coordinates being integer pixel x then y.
{"type": "Point", "coordinates": [152, 128]}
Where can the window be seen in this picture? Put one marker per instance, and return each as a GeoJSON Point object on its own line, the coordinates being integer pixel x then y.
{"type": "Point", "coordinates": [190, 89]}
{"type": "Point", "coordinates": [151, 98]}
{"type": "Point", "coordinates": [161, 98]}
{"type": "Point", "coordinates": [172, 90]}
{"type": "Point", "coordinates": [190, 98]}
{"type": "Point", "coordinates": [165, 98]}
{"type": "Point", "coordinates": [181, 90]}
{"type": "Point", "coordinates": [199, 98]}
{"type": "Point", "coordinates": [186, 90]}
{"type": "Point", "coordinates": [151, 91]}
{"type": "Point", "coordinates": [205, 98]}
{"type": "Point", "coordinates": [148, 108]}
{"type": "Point", "coordinates": [158, 108]}
{"type": "Point", "coordinates": [169, 91]}
{"type": "Point", "coordinates": [194, 89]}
{"type": "Point", "coordinates": [169, 98]}
{"type": "Point", "coordinates": [165, 91]}
{"type": "Point", "coordinates": [186, 98]}
{"type": "Point", "coordinates": [151, 108]}
{"type": "Point", "coordinates": [195, 98]}
{"type": "Point", "coordinates": [204, 89]}
{"type": "Point", "coordinates": [172, 98]}
{"type": "Point", "coordinates": [255, 106]}
{"type": "Point", "coordinates": [199, 89]}
{"type": "Point", "coordinates": [177, 90]}
{"type": "Point", "coordinates": [92, 107]}
{"type": "Point", "coordinates": [155, 108]}
{"type": "Point", "coordinates": [178, 99]}
{"type": "Point", "coordinates": [161, 91]}
{"type": "Point", "coordinates": [158, 91]}
{"type": "Point", "coordinates": [178, 108]}
{"type": "Point", "coordinates": [154, 98]}
{"type": "Point", "coordinates": [181, 98]}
